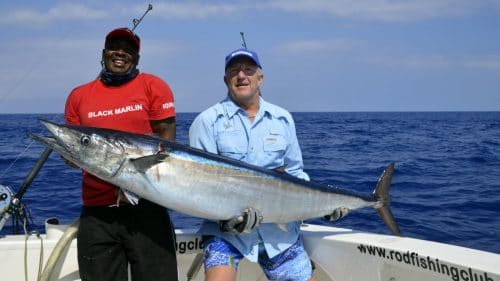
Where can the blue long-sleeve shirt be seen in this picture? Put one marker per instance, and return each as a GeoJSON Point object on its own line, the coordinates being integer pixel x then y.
{"type": "Point", "coordinates": [270, 141]}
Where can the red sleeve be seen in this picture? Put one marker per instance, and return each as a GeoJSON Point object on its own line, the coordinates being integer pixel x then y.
{"type": "Point", "coordinates": [161, 99]}
{"type": "Point", "coordinates": [71, 109]}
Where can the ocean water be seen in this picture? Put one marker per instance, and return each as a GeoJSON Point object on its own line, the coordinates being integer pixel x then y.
{"type": "Point", "coordinates": [446, 186]}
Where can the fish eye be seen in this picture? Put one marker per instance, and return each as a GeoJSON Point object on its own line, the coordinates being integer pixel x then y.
{"type": "Point", "coordinates": [85, 140]}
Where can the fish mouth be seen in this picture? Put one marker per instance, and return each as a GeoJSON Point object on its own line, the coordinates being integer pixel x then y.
{"type": "Point", "coordinates": [51, 126]}
{"type": "Point", "coordinates": [53, 142]}
{"type": "Point", "coordinates": [47, 141]}
{"type": "Point", "coordinates": [67, 140]}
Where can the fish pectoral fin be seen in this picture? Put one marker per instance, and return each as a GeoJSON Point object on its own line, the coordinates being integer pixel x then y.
{"type": "Point", "coordinates": [142, 164]}
{"type": "Point", "coordinates": [131, 197]}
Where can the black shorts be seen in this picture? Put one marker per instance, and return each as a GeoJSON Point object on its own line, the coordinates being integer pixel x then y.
{"type": "Point", "coordinates": [110, 238]}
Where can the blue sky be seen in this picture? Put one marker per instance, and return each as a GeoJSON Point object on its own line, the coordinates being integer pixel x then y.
{"type": "Point", "coordinates": [317, 55]}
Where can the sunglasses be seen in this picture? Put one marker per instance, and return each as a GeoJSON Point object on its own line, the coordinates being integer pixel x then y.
{"type": "Point", "coordinates": [248, 70]}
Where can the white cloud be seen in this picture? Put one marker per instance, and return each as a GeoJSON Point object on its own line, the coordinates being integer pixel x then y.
{"type": "Point", "coordinates": [436, 61]}
{"type": "Point", "coordinates": [195, 10]}
{"type": "Point", "coordinates": [327, 46]}
{"type": "Point", "coordinates": [380, 10]}
{"type": "Point", "coordinates": [163, 47]}
{"type": "Point", "coordinates": [484, 62]}
{"type": "Point", "coordinates": [383, 10]}
{"type": "Point", "coordinates": [495, 3]}
{"type": "Point", "coordinates": [85, 12]}
{"type": "Point", "coordinates": [359, 51]}
{"type": "Point", "coordinates": [63, 12]}
{"type": "Point", "coordinates": [411, 61]}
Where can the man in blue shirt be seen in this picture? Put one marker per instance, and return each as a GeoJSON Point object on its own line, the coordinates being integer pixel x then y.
{"type": "Point", "coordinates": [245, 127]}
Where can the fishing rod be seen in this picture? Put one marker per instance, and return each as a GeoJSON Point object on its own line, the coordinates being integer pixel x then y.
{"type": "Point", "coordinates": [243, 44]}
{"type": "Point", "coordinates": [12, 205]}
{"type": "Point", "coordinates": [136, 22]}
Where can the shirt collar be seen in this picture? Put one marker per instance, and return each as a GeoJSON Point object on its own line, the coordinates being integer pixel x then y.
{"type": "Point", "coordinates": [231, 108]}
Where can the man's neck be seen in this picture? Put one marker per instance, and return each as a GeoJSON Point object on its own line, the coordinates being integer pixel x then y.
{"type": "Point", "coordinates": [250, 106]}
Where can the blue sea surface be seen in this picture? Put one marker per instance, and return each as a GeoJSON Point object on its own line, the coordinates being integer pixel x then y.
{"type": "Point", "coordinates": [446, 187]}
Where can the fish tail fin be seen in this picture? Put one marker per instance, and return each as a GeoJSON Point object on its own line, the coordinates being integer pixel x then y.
{"type": "Point", "coordinates": [381, 194]}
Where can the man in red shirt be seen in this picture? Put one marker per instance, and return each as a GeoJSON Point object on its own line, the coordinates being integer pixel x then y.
{"type": "Point", "coordinates": [114, 232]}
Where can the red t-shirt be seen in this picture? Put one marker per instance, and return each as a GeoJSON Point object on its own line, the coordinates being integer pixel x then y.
{"type": "Point", "coordinates": [128, 107]}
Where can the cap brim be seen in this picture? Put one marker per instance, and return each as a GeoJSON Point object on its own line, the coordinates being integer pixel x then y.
{"type": "Point", "coordinates": [122, 33]}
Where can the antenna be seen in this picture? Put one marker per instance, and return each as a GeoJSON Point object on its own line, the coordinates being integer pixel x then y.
{"type": "Point", "coordinates": [244, 44]}
{"type": "Point", "coordinates": [136, 22]}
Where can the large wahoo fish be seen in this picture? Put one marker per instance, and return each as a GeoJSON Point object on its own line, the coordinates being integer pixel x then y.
{"type": "Point", "coordinates": [203, 184]}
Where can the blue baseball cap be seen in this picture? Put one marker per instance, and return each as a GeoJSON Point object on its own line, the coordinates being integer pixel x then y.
{"type": "Point", "coordinates": [243, 52]}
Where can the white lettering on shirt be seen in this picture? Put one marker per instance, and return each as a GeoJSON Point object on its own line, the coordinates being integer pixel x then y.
{"type": "Point", "coordinates": [100, 113]}
{"type": "Point", "coordinates": [116, 111]}
{"type": "Point", "coordinates": [167, 105]}
{"type": "Point", "coordinates": [128, 108]}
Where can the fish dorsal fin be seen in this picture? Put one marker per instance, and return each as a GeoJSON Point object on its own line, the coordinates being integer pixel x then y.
{"type": "Point", "coordinates": [142, 164]}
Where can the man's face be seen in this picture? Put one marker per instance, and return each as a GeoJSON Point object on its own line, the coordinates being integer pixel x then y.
{"type": "Point", "coordinates": [243, 79]}
{"type": "Point", "coordinates": [119, 56]}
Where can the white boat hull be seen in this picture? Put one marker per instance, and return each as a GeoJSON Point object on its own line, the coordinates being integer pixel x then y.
{"type": "Point", "coordinates": [338, 254]}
